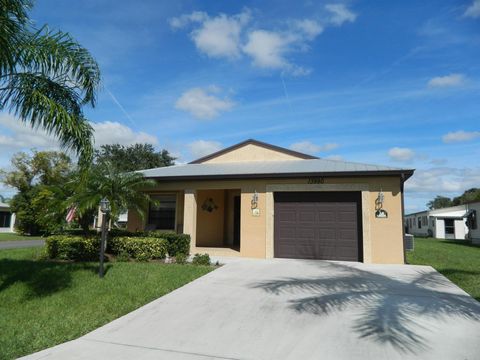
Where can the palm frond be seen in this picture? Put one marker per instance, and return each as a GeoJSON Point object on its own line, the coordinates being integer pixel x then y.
{"type": "Point", "coordinates": [13, 17]}
{"type": "Point", "coordinates": [58, 54]}
{"type": "Point", "coordinates": [44, 103]}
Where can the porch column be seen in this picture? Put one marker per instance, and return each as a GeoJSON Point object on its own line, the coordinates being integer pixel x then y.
{"type": "Point", "coordinates": [190, 216]}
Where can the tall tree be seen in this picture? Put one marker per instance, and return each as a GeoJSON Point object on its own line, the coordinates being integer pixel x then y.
{"type": "Point", "coordinates": [439, 202]}
{"type": "Point", "coordinates": [39, 179]}
{"type": "Point", "coordinates": [46, 78]}
{"type": "Point", "coordinates": [472, 194]}
{"type": "Point", "coordinates": [133, 157]}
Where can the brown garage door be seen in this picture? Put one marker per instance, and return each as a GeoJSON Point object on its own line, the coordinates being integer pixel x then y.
{"type": "Point", "coordinates": [318, 225]}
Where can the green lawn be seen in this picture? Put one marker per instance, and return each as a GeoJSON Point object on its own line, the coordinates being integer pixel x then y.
{"type": "Point", "coordinates": [45, 303]}
{"type": "Point", "coordinates": [459, 261]}
{"type": "Point", "coordinates": [13, 237]}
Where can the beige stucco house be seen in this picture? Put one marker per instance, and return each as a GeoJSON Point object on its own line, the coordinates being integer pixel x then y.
{"type": "Point", "coordinates": [259, 200]}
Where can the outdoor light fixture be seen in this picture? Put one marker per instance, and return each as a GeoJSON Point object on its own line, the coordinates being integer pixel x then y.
{"type": "Point", "coordinates": [379, 211]}
{"type": "Point", "coordinates": [105, 209]}
{"type": "Point", "coordinates": [254, 202]}
{"type": "Point", "coordinates": [104, 205]}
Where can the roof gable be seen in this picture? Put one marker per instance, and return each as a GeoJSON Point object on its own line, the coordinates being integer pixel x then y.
{"type": "Point", "coordinates": [252, 150]}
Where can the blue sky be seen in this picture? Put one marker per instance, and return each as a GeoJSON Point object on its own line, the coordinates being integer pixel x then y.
{"type": "Point", "coordinates": [393, 83]}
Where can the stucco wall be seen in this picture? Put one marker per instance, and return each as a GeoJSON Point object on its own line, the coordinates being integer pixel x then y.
{"type": "Point", "coordinates": [383, 238]}
{"type": "Point", "coordinates": [210, 224]}
{"type": "Point", "coordinates": [251, 152]}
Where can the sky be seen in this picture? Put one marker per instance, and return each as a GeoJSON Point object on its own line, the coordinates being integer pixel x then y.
{"type": "Point", "coordinates": [382, 82]}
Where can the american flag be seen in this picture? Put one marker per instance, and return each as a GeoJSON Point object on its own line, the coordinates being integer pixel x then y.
{"type": "Point", "coordinates": [71, 214]}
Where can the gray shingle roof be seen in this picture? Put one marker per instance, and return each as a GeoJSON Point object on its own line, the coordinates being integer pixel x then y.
{"type": "Point", "coordinates": [272, 168]}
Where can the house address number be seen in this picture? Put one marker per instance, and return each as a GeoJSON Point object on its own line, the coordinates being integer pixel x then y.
{"type": "Point", "coordinates": [320, 180]}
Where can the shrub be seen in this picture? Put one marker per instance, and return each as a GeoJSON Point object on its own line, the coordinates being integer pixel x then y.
{"type": "Point", "coordinates": [122, 257]}
{"type": "Point", "coordinates": [181, 258]}
{"type": "Point", "coordinates": [201, 259]}
{"type": "Point", "coordinates": [142, 249]}
{"type": "Point", "coordinates": [72, 247]}
{"type": "Point", "coordinates": [177, 243]}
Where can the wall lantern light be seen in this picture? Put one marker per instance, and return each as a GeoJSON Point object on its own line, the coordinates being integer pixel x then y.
{"type": "Point", "coordinates": [379, 211]}
{"type": "Point", "coordinates": [254, 202]}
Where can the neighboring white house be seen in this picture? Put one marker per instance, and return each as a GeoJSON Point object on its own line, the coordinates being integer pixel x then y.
{"type": "Point", "coordinates": [7, 219]}
{"type": "Point", "coordinates": [455, 222]}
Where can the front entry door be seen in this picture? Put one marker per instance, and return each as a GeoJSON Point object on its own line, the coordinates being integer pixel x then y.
{"type": "Point", "coordinates": [236, 222]}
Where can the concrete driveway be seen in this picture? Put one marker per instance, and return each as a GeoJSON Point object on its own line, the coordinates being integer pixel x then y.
{"type": "Point", "coordinates": [295, 309]}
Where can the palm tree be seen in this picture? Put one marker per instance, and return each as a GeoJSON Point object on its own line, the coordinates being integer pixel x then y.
{"type": "Point", "coordinates": [46, 77]}
{"type": "Point", "coordinates": [124, 190]}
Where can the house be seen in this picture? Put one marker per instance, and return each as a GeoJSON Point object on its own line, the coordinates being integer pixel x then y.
{"type": "Point", "coordinates": [258, 200]}
{"type": "Point", "coordinates": [455, 222]}
{"type": "Point", "coordinates": [7, 219]}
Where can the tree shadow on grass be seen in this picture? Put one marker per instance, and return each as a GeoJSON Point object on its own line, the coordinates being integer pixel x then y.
{"type": "Point", "coordinates": [392, 311]}
{"type": "Point", "coordinates": [42, 278]}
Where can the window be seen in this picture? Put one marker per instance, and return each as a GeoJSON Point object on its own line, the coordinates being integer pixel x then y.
{"type": "Point", "coordinates": [162, 213]}
{"type": "Point", "coordinates": [5, 217]}
{"type": "Point", "coordinates": [449, 227]}
{"type": "Point", "coordinates": [419, 222]}
{"type": "Point", "coordinates": [432, 222]}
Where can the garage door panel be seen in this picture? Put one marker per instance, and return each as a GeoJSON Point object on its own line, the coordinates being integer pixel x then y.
{"type": "Point", "coordinates": [308, 228]}
{"type": "Point", "coordinates": [287, 215]}
{"type": "Point", "coordinates": [307, 216]}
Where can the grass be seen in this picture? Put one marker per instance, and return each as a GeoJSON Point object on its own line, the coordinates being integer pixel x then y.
{"type": "Point", "coordinates": [14, 237]}
{"type": "Point", "coordinates": [459, 261]}
{"type": "Point", "coordinates": [45, 303]}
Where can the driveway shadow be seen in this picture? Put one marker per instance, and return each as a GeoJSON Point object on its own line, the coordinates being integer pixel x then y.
{"type": "Point", "coordinates": [41, 277]}
{"type": "Point", "coordinates": [393, 311]}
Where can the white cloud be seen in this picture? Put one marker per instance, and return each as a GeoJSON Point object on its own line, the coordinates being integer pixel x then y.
{"type": "Point", "coordinates": [202, 148]}
{"type": "Point", "coordinates": [446, 81]}
{"type": "Point", "coordinates": [23, 136]}
{"type": "Point", "coordinates": [443, 179]}
{"type": "Point", "coordinates": [202, 103]}
{"type": "Point", "coordinates": [340, 14]}
{"type": "Point", "coordinates": [234, 36]}
{"type": "Point", "coordinates": [401, 154]}
{"type": "Point", "coordinates": [185, 19]}
{"type": "Point", "coordinates": [309, 27]}
{"type": "Point", "coordinates": [216, 36]}
{"type": "Point", "coordinates": [309, 147]}
{"type": "Point", "coordinates": [459, 136]}
{"type": "Point", "coordinates": [473, 10]}
{"type": "Point", "coordinates": [110, 132]}
{"type": "Point", "coordinates": [267, 49]}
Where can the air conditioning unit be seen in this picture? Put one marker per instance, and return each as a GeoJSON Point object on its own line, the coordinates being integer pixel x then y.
{"type": "Point", "coordinates": [409, 242]}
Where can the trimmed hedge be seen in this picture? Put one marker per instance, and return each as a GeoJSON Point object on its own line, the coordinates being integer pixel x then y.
{"type": "Point", "coordinates": [67, 247]}
{"type": "Point", "coordinates": [138, 245]}
{"type": "Point", "coordinates": [143, 249]}
{"type": "Point", "coordinates": [177, 243]}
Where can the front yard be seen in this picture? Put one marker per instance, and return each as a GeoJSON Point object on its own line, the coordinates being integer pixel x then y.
{"type": "Point", "coordinates": [459, 261]}
{"type": "Point", "coordinates": [44, 303]}
{"type": "Point", "coordinates": [14, 237]}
